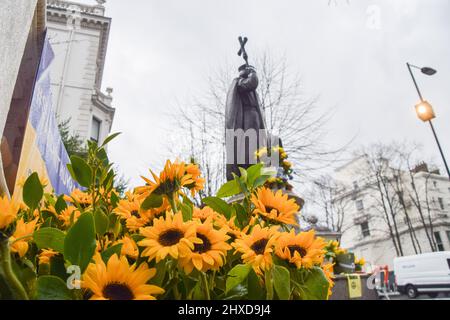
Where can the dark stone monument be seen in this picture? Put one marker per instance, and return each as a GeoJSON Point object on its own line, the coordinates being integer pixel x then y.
{"type": "Point", "coordinates": [244, 121]}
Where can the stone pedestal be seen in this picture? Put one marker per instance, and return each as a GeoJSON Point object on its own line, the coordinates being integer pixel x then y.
{"type": "Point", "coordinates": [340, 289]}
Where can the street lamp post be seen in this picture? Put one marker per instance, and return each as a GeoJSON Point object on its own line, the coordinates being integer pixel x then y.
{"type": "Point", "coordinates": [424, 109]}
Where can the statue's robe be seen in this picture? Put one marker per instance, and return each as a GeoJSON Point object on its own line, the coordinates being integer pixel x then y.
{"type": "Point", "coordinates": [243, 112]}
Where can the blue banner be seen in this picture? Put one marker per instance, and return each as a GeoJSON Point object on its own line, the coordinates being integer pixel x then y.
{"type": "Point", "coordinates": [43, 119]}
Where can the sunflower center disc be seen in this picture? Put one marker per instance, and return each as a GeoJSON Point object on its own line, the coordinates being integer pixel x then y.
{"type": "Point", "coordinates": [203, 247]}
{"type": "Point", "coordinates": [299, 249]}
{"type": "Point", "coordinates": [134, 213]}
{"type": "Point", "coordinates": [259, 246]}
{"type": "Point", "coordinates": [118, 291]}
{"type": "Point", "coordinates": [167, 187]}
{"type": "Point", "coordinates": [269, 209]}
{"type": "Point", "coordinates": [170, 237]}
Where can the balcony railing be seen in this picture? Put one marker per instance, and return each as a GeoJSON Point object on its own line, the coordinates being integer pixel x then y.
{"type": "Point", "coordinates": [83, 8]}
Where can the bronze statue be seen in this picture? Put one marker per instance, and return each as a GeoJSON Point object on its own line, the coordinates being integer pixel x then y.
{"type": "Point", "coordinates": [244, 120]}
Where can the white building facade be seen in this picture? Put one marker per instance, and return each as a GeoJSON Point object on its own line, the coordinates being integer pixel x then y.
{"type": "Point", "coordinates": [412, 210]}
{"type": "Point", "coordinates": [79, 37]}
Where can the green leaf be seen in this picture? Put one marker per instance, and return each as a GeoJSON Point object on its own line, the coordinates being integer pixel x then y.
{"type": "Point", "coordinates": [25, 272]}
{"type": "Point", "coordinates": [32, 191]}
{"type": "Point", "coordinates": [261, 180]}
{"type": "Point", "coordinates": [116, 249]}
{"type": "Point", "coordinates": [229, 189]}
{"type": "Point", "coordinates": [79, 245]}
{"type": "Point", "coordinates": [236, 276]}
{"type": "Point", "coordinates": [161, 270]}
{"type": "Point", "coordinates": [186, 211]}
{"type": "Point", "coordinates": [243, 175]}
{"type": "Point", "coordinates": [109, 138]}
{"type": "Point", "coordinates": [255, 289]}
{"type": "Point", "coordinates": [268, 279]}
{"type": "Point", "coordinates": [101, 222]}
{"type": "Point", "coordinates": [81, 170]}
{"type": "Point", "coordinates": [50, 238]}
{"type": "Point", "coordinates": [152, 201]}
{"type": "Point", "coordinates": [281, 282]}
{"type": "Point", "coordinates": [114, 199]}
{"type": "Point", "coordinates": [253, 173]}
{"type": "Point", "coordinates": [47, 222]}
{"type": "Point", "coordinates": [269, 171]}
{"type": "Point", "coordinates": [52, 288]}
{"type": "Point", "coordinates": [219, 206]}
{"type": "Point", "coordinates": [241, 215]}
{"type": "Point", "coordinates": [70, 169]}
{"type": "Point", "coordinates": [101, 154]}
{"type": "Point", "coordinates": [60, 204]}
{"type": "Point", "coordinates": [315, 286]}
{"type": "Point", "coordinates": [239, 292]}
{"type": "Point", "coordinates": [58, 268]}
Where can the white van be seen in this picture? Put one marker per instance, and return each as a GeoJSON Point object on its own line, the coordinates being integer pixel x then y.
{"type": "Point", "coordinates": [423, 273]}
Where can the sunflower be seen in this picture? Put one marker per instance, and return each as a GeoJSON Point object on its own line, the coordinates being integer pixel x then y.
{"type": "Point", "coordinates": [104, 243]}
{"type": "Point", "coordinates": [360, 262]}
{"type": "Point", "coordinates": [168, 236]}
{"type": "Point", "coordinates": [333, 246]}
{"type": "Point", "coordinates": [275, 207]}
{"type": "Point", "coordinates": [210, 254]}
{"type": "Point", "coordinates": [126, 208]}
{"type": "Point", "coordinates": [46, 255]}
{"type": "Point", "coordinates": [327, 269]}
{"type": "Point", "coordinates": [135, 217]}
{"type": "Point", "coordinates": [78, 197]}
{"type": "Point", "coordinates": [204, 213]}
{"type": "Point", "coordinates": [198, 182]}
{"type": "Point", "coordinates": [69, 216]}
{"type": "Point", "coordinates": [302, 249]}
{"type": "Point", "coordinates": [117, 280]}
{"type": "Point", "coordinates": [129, 247]}
{"type": "Point", "coordinates": [8, 212]}
{"type": "Point", "coordinates": [169, 182]}
{"type": "Point", "coordinates": [21, 236]}
{"type": "Point", "coordinates": [257, 247]}
{"type": "Point", "coordinates": [232, 230]}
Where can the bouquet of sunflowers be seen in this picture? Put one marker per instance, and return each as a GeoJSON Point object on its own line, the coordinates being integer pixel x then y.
{"type": "Point", "coordinates": [359, 264]}
{"type": "Point", "coordinates": [154, 242]}
{"type": "Point", "coordinates": [281, 180]}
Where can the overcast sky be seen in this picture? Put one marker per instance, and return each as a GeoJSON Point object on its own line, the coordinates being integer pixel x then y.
{"type": "Point", "coordinates": [351, 53]}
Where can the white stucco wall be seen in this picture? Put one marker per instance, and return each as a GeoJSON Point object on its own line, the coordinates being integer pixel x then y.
{"type": "Point", "coordinates": [378, 248]}
{"type": "Point", "coordinates": [76, 44]}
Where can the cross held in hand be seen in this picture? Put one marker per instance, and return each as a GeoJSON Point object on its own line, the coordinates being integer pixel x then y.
{"type": "Point", "coordinates": [242, 42]}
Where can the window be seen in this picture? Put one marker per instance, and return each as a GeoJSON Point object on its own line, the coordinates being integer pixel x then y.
{"type": "Point", "coordinates": [441, 203]}
{"type": "Point", "coordinates": [355, 185]}
{"type": "Point", "coordinates": [365, 229]}
{"type": "Point", "coordinates": [448, 235]}
{"type": "Point", "coordinates": [437, 237]}
{"type": "Point", "coordinates": [359, 205]}
{"type": "Point", "coordinates": [435, 184]}
{"type": "Point", "coordinates": [95, 129]}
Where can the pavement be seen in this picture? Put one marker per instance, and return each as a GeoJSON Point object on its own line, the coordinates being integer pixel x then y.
{"type": "Point", "coordinates": [441, 296]}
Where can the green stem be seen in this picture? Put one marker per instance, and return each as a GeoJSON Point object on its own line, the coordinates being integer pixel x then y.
{"type": "Point", "coordinates": [205, 286]}
{"type": "Point", "coordinates": [6, 270]}
{"type": "Point", "coordinates": [174, 273]}
{"type": "Point", "coordinates": [269, 284]}
{"type": "Point", "coordinates": [173, 203]}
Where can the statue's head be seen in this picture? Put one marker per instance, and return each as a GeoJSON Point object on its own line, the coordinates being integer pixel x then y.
{"type": "Point", "coordinates": [245, 70]}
